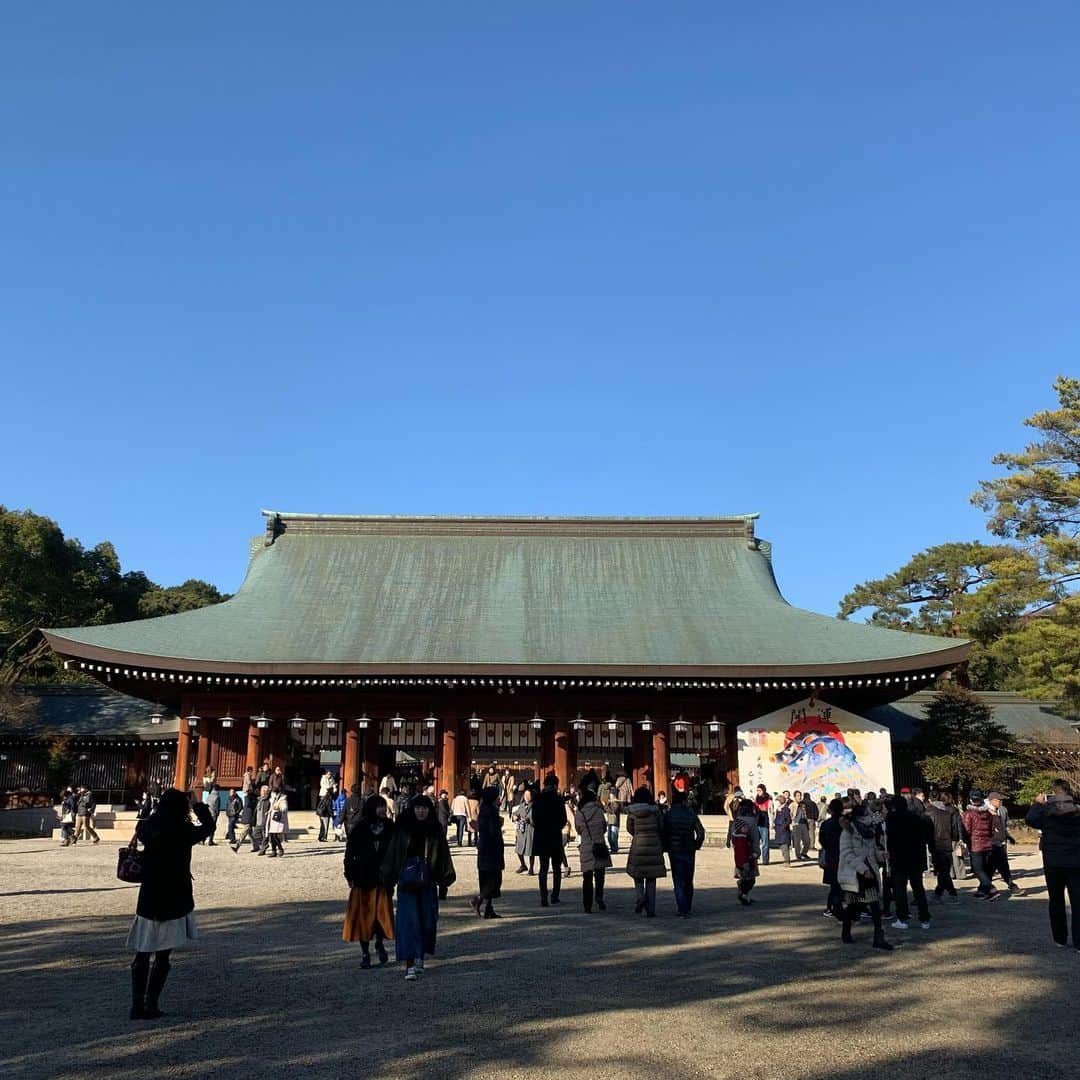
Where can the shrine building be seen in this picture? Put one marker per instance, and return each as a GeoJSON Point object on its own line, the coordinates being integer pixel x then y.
{"type": "Point", "coordinates": [442, 645]}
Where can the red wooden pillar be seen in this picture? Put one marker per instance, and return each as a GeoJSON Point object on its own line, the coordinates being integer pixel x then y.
{"type": "Point", "coordinates": [254, 745]}
{"type": "Point", "coordinates": [370, 782]}
{"type": "Point", "coordinates": [350, 767]}
{"type": "Point", "coordinates": [202, 754]}
{"type": "Point", "coordinates": [464, 755]}
{"type": "Point", "coordinates": [561, 752]}
{"type": "Point", "coordinates": [639, 756]}
{"type": "Point", "coordinates": [546, 751]}
{"type": "Point", "coordinates": [731, 755]}
{"type": "Point", "coordinates": [448, 763]}
{"type": "Point", "coordinates": [661, 759]}
{"type": "Point", "coordinates": [183, 752]}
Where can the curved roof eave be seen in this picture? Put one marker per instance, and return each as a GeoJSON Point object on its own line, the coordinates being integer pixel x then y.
{"type": "Point", "coordinates": [944, 657]}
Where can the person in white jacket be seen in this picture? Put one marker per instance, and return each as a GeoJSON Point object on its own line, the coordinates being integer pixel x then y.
{"type": "Point", "coordinates": [859, 872]}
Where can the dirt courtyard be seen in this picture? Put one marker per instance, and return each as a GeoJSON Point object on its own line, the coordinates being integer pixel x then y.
{"type": "Point", "coordinates": [769, 992]}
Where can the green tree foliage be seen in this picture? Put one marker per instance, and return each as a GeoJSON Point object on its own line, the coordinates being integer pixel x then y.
{"type": "Point", "coordinates": [1038, 502]}
{"type": "Point", "coordinates": [47, 579]}
{"type": "Point", "coordinates": [1036, 784]}
{"type": "Point", "coordinates": [961, 743]}
{"type": "Point", "coordinates": [176, 598]}
{"type": "Point", "coordinates": [970, 590]}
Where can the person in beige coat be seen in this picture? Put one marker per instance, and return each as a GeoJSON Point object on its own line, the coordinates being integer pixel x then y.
{"type": "Point", "coordinates": [595, 857]}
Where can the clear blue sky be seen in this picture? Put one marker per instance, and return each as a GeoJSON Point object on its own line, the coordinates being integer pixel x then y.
{"type": "Point", "coordinates": [817, 262]}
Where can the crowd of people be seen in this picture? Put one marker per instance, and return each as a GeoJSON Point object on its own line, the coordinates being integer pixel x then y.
{"type": "Point", "coordinates": [873, 849]}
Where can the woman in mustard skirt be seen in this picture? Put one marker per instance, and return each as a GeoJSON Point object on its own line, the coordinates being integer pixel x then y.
{"type": "Point", "coordinates": [369, 913]}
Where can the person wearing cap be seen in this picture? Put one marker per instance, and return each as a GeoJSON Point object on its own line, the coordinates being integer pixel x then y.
{"type": "Point", "coordinates": [978, 827]}
{"type": "Point", "coordinates": [998, 863]}
{"type": "Point", "coordinates": [1057, 817]}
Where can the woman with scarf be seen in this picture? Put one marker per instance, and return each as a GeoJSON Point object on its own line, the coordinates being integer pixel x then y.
{"type": "Point", "coordinates": [370, 913]}
{"type": "Point", "coordinates": [490, 861]}
{"type": "Point", "coordinates": [859, 870]}
{"type": "Point", "coordinates": [591, 826]}
{"type": "Point", "coordinates": [419, 866]}
{"type": "Point", "coordinates": [165, 918]}
{"type": "Point", "coordinates": [744, 839]}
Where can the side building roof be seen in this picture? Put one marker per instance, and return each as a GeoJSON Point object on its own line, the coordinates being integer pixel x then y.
{"type": "Point", "coordinates": [1046, 722]}
{"type": "Point", "coordinates": [88, 710]}
{"type": "Point", "coordinates": [634, 596]}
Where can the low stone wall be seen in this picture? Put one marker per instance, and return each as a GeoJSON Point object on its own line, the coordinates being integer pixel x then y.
{"type": "Point", "coordinates": [29, 821]}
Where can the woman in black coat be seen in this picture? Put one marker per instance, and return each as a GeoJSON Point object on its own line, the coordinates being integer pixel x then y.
{"type": "Point", "coordinates": [490, 859]}
{"type": "Point", "coordinates": [370, 913]}
{"type": "Point", "coordinates": [164, 918]}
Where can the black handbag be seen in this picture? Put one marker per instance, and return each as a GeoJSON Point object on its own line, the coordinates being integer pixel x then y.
{"type": "Point", "coordinates": [415, 874]}
{"type": "Point", "coordinates": [129, 865]}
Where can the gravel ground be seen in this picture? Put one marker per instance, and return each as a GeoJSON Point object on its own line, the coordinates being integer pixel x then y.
{"type": "Point", "coordinates": [270, 990]}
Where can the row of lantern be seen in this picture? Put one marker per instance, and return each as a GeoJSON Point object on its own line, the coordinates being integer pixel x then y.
{"type": "Point", "coordinates": [816, 684]}
{"type": "Point", "coordinates": [398, 721]}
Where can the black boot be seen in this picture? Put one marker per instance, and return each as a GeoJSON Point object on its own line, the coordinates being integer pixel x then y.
{"type": "Point", "coordinates": [158, 974]}
{"type": "Point", "coordinates": [140, 969]}
{"type": "Point", "coordinates": [880, 942]}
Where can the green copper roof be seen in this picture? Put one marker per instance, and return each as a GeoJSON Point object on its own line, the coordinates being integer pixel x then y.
{"type": "Point", "coordinates": [341, 594]}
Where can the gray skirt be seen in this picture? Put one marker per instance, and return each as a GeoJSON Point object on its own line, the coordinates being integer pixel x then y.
{"type": "Point", "coordinates": [153, 935]}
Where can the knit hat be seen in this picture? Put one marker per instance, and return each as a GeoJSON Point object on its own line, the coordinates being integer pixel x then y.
{"type": "Point", "coordinates": [976, 794]}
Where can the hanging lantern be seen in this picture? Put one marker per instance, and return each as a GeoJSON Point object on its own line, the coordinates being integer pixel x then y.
{"type": "Point", "coordinates": [579, 723]}
{"type": "Point", "coordinates": [431, 721]}
{"type": "Point", "coordinates": [262, 721]}
{"type": "Point", "coordinates": [537, 721]}
{"type": "Point", "coordinates": [474, 722]}
{"type": "Point", "coordinates": [227, 720]}
{"type": "Point", "coordinates": [363, 721]}
{"type": "Point", "coordinates": [397, 721]}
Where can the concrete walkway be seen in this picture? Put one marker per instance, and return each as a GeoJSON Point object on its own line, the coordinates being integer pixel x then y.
{"type": "Point", "coordinates": [769, 992]}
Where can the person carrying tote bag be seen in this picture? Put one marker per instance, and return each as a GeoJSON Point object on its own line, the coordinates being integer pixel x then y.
{"type": "Point", "coordinates": [591, 825]}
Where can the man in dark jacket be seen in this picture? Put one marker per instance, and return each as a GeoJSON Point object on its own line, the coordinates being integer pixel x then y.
{"type": "Point", "coordinates": [1000, 838]}
{"type": "Point", "coordinates": [1058, 818]}
{"type": "Point", "coordinates": [945, 821]}
{"type": "Point", "coordinates": [246, 820]}
{"type": "Point", "coordinates": [549, 817]}
{"type": "Point", "coordinates": [909, 838]}
{"type": "Point", "coordinates": [233, 808]}
{"type": "Point", "coordinates": [442, 810]}
{"type": "Point", "coordinates": [683, 837]}
{"type": "Point", "coordinates": [978, 826]}
{"type": "Point", "coordinates": [84, 815]}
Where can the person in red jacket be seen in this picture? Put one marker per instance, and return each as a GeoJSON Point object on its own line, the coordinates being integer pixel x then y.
{"type": "Point", "coordinates": [978, 826]}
